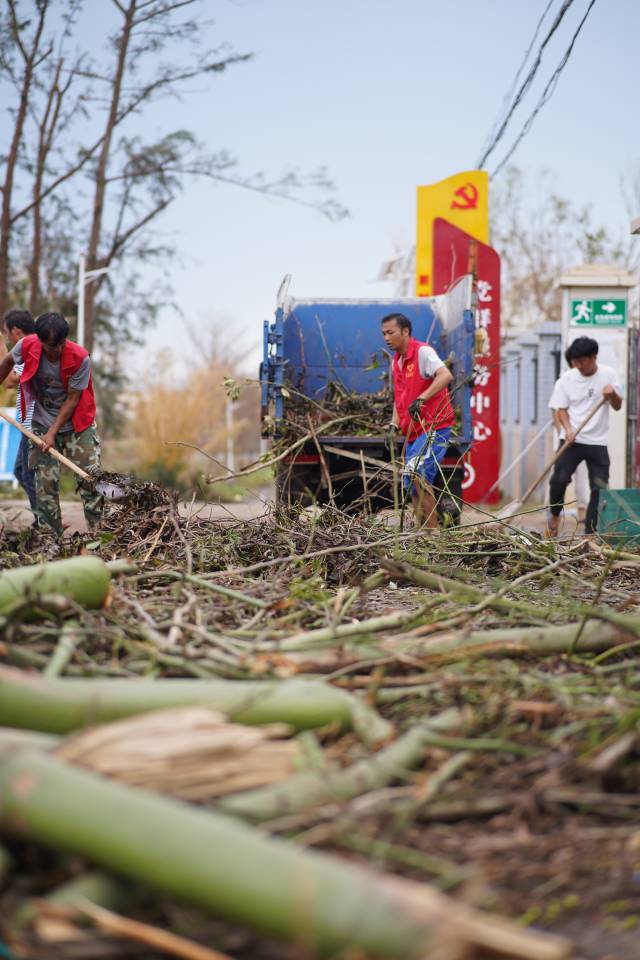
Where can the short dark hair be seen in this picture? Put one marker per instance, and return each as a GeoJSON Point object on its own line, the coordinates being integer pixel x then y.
{"type": "Point", "coordinates": [568, 357]}
{"type": "Point", "coordinates": [21, 319]}
{"type": "Point", "coordinates": [52, 328]}
{"type": "Point", "coordinates": [583, 347]}
{"type": "Point", "coordinates": [403, 322]}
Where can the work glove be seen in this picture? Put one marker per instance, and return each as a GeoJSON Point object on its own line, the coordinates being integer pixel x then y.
{"type": "Point", "coordinates": [414, 409]}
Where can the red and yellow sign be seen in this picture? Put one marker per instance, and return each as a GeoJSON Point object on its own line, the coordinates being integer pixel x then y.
{"type": "Point", "coordinates": [462, 200]}
{"type": "Point", "coordinates": [455, 250]}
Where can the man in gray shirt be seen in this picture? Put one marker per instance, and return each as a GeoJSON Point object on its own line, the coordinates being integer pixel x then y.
{"type": "Point", "coordinates": [56, 380]}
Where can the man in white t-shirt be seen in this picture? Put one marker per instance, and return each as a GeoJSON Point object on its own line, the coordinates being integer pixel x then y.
{"type": "Point", "coordinates": [575, 394]}
{"type": "Point", "coordinates": [580, 477]}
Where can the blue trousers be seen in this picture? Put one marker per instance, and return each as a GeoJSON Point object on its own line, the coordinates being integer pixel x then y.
{"type": "Point", "coordinates": [23, 474]}
{"type": "Point", "coordinates": [423, 455]}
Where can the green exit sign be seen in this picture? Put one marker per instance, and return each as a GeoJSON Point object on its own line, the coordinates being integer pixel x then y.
{"type": "Point", "coordinates": [598, 313]}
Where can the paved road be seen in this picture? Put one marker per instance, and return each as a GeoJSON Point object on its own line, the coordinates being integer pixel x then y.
{"type": "Point", "coordinates": [16, 515]}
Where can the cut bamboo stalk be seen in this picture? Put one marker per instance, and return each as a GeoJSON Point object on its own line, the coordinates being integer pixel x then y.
{"type": "Point", "coordinates": [330, 786]}
{"type": "Point", "coordinates": [85, 580]}
{"type": "Point", "coordinates": [62, 705]}
{"type": "Point", "coordinates": [234, 872]}
{"type": "Point", "coordinates": [435, 581]}
{"type": "Point", "coordinates": [68, 640]}
{"type": "Point", "coordinates": [329, 636]}
{"type": "Point", "coordinates": [519, 641]}
{"type": "Point", "coordinates": [188, 752]}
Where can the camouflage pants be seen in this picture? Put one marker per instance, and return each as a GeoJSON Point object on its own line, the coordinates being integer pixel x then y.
{"type": "Point", "coordinates": [84, 449]}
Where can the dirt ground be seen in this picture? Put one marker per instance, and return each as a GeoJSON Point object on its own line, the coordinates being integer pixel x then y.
{"type": "Point", "coordinates": [15, 513]}
{"type": "Point", "coordinates": [540, 861]}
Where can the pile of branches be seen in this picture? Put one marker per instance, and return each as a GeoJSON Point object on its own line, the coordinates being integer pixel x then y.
{"type": "Point", "coordinates": [458, 710]}
{"type": "Point", "coordinates": [360, 414]}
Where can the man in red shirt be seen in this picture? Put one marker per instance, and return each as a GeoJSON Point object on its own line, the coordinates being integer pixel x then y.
{"type": "Point", "coordinates": [421, 410]}
{"type": "Point", "coordinates": [56, 379]}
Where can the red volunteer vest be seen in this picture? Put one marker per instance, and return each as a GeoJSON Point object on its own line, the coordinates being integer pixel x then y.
{"type": "Point", "coordinates": [72, 356]}
{"type": "Point", "coordinates": [436, 412]}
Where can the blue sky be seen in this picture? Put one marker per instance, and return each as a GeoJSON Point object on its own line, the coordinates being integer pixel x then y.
{"type": "Point", "coordinates": [386, 95]}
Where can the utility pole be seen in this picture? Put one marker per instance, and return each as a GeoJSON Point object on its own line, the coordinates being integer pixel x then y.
{"type": "Point", "coordinates": [231, 453]}
{"type": "Point", "coordinates": [85, 277]}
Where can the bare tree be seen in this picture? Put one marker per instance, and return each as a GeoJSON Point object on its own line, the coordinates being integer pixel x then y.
{"type": "Point", "coordinates": [21, 56]}
{"type": "Point", "coordinates": [539, 235]}
{"type": "Point", "coordinates": [155, 52]}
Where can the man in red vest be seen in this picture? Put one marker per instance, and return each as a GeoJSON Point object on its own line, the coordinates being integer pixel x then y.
{"type": "Point", "coordinates": [421, 410]}
{"type": "Point", "coordinates": [56, 379]}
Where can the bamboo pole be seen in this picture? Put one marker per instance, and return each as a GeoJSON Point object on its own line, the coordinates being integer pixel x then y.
{"type": "Point", "coordinates": [68, 640]}
{"type": "Point", "coordinates": [85, 580]}
{"type": "Point", "coordinates": [332, 635]}
{"type": "Point", "coordinates": [62, 705]}
{"type": "Point", "coordinates": [234, 872]}
{"type": "Point", "coordinates": [435, 581]}
{"type": "Point", "coordinates": [519, 641]}
{"type": "Point", "coordinates": [330, 786]}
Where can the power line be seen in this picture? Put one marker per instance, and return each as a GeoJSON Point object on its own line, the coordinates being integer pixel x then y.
{"type": "Point", "coordinates": [526, 84]}
{"type": "Point", "coordinates": [547, 93]}
{"type": "Point", "coordinates": [510, 92]}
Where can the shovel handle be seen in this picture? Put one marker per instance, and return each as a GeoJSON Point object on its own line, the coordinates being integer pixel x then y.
{"type": "Point", "coordinates": [40, 443]}
{"type": "Point", "coordinates": [525, 496]}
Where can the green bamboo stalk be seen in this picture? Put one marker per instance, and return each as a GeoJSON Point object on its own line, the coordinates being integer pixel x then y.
{"type": "Point", "coordinates": [61, 705]}
{"type": "Point", "coordinates": [234, 872]}
{"type": "Point", "coordinates": [85, 580]}
{"type": "Point", "coordinates": [68, 640]}
{"type": "Point", "coordinates": [315, 787]}
{"type": "Point", "coordinates": [435, 581]}
{"type": "Point", "coordinates": [449, 873]}
{"type": "Point", "coordinates": [518, 641]}
{"type": "Point", "coordinates": [328, 636]}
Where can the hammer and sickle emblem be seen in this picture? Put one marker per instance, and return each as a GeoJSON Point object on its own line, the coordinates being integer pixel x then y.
{"type": "Point", "coordinates": [468, 194]}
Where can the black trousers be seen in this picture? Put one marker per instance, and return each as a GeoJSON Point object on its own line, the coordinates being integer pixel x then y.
{"type": "Point", "coordinates": [597, 460]}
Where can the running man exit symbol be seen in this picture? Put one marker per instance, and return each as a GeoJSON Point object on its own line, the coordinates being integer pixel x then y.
{"type": "Point", "coordinates": [599, 313]}
{"type": "Point", "coordinates": [581, 311]}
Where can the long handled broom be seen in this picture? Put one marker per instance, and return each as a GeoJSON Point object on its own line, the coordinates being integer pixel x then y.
{"type": "Point", "coordinates": [514, 507]}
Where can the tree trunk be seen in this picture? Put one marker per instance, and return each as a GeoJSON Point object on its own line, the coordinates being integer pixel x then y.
{"type": "Point", "coordinates": [101, 170]}
{"type": "Point", "coordinates": [12, 157]}
{"type": "Point", "coordinates": [58, 706]}
{"type": "Point", "coordinates": [46, 134]}
{"type": "Point", "coordinates": [321, 904]}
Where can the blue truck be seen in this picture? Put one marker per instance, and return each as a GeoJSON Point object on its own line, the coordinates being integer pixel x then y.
{"type": "Point", "coordinates": [322, 356]}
